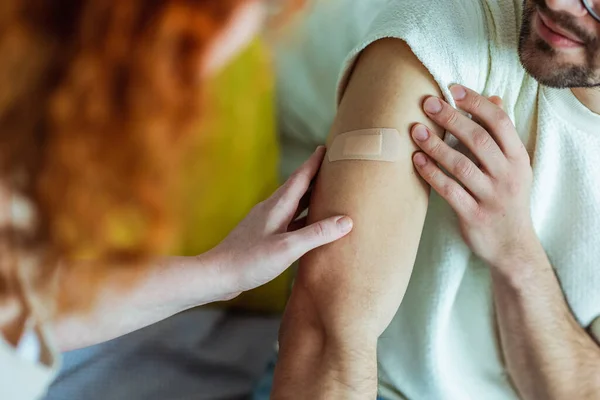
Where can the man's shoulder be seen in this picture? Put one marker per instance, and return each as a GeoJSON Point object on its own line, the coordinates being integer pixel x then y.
{"type": "Point", "coordinates": [456, 40]}
{"type": "Point", "coordinates": [450, 37]}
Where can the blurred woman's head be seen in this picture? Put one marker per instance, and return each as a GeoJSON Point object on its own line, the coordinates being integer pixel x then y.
{"type": "Point", "coordinates": [96, 98]}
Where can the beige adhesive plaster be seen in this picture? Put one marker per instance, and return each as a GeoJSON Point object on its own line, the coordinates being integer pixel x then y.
{"type": "Point", "coordinates": [379, 144]}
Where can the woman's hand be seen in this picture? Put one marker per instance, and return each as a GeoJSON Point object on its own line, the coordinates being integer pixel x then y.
{"type": "Point", "coordinates": [259, 249]}
{"type": "Point", "coordinates": [270, 238]}
{"type": "Point", "coordinates": [492, 196]}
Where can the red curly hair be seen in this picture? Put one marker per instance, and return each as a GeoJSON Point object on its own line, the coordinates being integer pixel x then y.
{"type": "Point", "coordinates": [96, 98]}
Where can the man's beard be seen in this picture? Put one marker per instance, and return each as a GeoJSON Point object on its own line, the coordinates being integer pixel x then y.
{"type": "Point", "coordinates": [542, 62]}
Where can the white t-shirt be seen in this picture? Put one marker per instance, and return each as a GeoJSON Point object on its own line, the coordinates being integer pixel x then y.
{"type": "Point", "coordinates": [26, 371]}
{"type": "Point", "coordinates": [442, 343]}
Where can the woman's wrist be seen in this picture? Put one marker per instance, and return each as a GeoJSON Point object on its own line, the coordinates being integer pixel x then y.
{"type": "Point", "coordinates": [201, 279]}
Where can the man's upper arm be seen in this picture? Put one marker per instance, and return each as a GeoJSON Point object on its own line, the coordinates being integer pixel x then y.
{"type": "Point", "coordinates": [347, 292]}
{"type": "Point", "coordinates": [386, 200]}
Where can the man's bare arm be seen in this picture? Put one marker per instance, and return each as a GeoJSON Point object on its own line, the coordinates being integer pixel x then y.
{"type": "Point", "coordinates": [347, 293]}
{"type": "Point", "coordinates": [548, 354]}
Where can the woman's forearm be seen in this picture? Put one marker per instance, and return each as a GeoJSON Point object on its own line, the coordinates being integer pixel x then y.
{"type": "Point", "coordinates": [258, 250]}
{"type": "Point", "coordinates": [168, 286]}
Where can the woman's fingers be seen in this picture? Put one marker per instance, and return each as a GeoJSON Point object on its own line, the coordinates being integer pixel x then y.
{"type": "Point", "coordinates": [286, 201]}
{"type": "Point", "coordinates": [299, 182]}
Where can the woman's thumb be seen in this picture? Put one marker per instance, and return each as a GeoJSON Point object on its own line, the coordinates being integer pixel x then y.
{"type": "Point", "coordinates": [318, 234]}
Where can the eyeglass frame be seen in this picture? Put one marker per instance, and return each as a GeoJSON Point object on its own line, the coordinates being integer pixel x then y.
{"type": "Point", "coordinates": [590, 10]}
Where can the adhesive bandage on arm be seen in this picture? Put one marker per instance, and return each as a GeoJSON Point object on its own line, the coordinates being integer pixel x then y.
{"type": "Point", "coordinates": [380, 144]}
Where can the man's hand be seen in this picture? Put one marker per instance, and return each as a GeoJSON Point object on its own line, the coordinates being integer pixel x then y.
{"type": "Point", "coordinates": [490, 196]}
{"type": "Point", "coordinates": [547, 354]}
{"type": "Point", "coordinates": [270, 238]}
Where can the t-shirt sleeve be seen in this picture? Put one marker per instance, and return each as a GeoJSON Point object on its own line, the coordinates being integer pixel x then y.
{"type": "Point", "coordinates": [448, 36]}
{"type": "Point", "coordinates": [594, 329]}
{"type": "Point", "coordinates": [26, 374]}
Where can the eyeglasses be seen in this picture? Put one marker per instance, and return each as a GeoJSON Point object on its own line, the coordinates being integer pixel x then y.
{"type": "Point", "coordinates": [593, 8]}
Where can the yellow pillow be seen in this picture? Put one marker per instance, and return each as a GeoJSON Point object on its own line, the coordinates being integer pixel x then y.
{"type": "Point", "coordinates": [233, 164]}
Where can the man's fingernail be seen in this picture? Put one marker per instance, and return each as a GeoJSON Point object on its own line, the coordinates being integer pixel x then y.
{"type": "Point", "coordinates": [420, 133]}
{"type": "Point", "coordinates": [433, 105]}
{"type": "Point", "coordinates": [458, 92]}
{"type": "Point", "coordinates": [420, 160]}
{"type": "Point", "coordinates": [319, 148]}
{"type": "Point", "coordinates": [344, 224]}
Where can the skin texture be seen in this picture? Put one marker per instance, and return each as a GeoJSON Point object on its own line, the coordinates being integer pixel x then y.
{"type": "Point", "coordinates": [259, 249]}
{"type": "Point", "coordinates": [548, 355]}
{"type": "Point", "coordinates": [347, 293]}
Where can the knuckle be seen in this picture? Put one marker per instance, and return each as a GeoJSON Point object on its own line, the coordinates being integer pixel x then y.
{"type": "Point", "coordinates": [283, 245]}
{"type": "Point", "coordinates": [513, 186]}
{"type": "Point", "coordinates": [503, 120]}
{"type": "Point", "coordinates": [436, 148]}
{"type": "Point", "coordinates": [479, 215]}
{"type": "Point", "coordinates": [275, 197]}
{"type": "Point", "coordinates": [273, 203]}
{"type": "Point", "coordinates": [285, 198]}
{"type": "Point", "coordinates": [463, 168]}
{"type": "Point", "coordinates": [294, 179]}
{"type": "Point", "coordinates": [451, 117]}
{"type": "Point", "coordinates": [448, 191]}
{"type": "Point", "coordinates": [263, 207]}
{"type": "Point", "coordinates": [430, 174]}
{"type": "Point", "coordinates": [481, 139]}
{"type": "Point", "coordinates": [475, 102]}
{"type": "Point", "coordinates": [290, 191]}
{"type": "Point", "coordinates": [523, 158]}
{"type": "Point", "coordinates": [320, 230]}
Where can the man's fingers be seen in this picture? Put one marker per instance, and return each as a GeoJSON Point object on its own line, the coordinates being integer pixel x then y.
{"type": "Point", "coordinates": [490, 112]}
{"type": "Point", "coordinates": [316, 235]}
{"type": "Point", "coordinates": [453, 161]}
{"type": "Point", "coordinates": [471, 134]}
{"type": "Point", "coordinates": [497, 101]}
{"type": "Point", "coordinates": [458, 198]}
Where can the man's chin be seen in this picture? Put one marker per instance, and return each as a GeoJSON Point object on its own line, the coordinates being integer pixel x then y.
{"type": "Point", "coordinates": [554, 68]}
{"type": "Point", "coordinates": [563, 78]}
{"type": "Point", "coordinates": [548, 71]}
